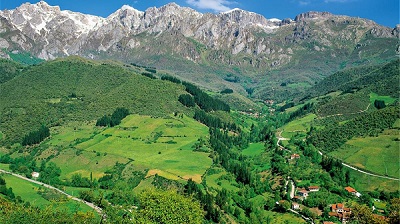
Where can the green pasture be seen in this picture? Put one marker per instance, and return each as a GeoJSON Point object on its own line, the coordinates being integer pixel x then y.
{"type": "Point", "coordinates": [388, 99]}
{"type": "Point", "coordinates": [301, 125]}
{"type": "Point", "coordinates": [68, 134]}
{"type": "Point", "coordinates": [380, 204]}
{"type": "Point", "coordinates": [364, 182]}
{"type": "Point", "coordinates": [162, 145]}
{"type": "Point", "coordinates": [85, 162]}
{"type": "Point", "coordinates": [378, 154]}
{"type": "Point", "coordinates": [144, 185]}
{"type": "Point", "coordinates": [282, 218]}
{"type": "Point", "coordinates": [29, 193]}
{"type": "Point", "coordinates": [217, 180]}
{"type": "Point", "coordinates": [4, 166]}
{"type": "Point", "coordinates": [254, 149]}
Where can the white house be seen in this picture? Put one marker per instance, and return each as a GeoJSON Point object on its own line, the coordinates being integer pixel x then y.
{"type": "Point", "coordinates": [35, 174]}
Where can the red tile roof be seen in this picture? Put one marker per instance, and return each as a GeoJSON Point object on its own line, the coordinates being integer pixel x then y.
{"type": "Point", "coordinates": [350, 189]}
{"type": "Point", "coordinates": [295, 156]}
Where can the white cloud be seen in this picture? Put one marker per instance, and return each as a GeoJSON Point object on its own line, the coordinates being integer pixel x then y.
{"type": "Point", "coordinates": [304, 2]}
{"type": "Point", "coordinates": [215, 5]}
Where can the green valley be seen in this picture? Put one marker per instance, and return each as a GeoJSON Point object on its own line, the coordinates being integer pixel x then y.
{"type": "Point", "coordinates": [129, 139]}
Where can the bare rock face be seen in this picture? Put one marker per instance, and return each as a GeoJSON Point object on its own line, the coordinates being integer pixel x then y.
{"type": "Point", "coordinates": [312, 15]}
{"type": "Point", "coordinates": [235, 37]}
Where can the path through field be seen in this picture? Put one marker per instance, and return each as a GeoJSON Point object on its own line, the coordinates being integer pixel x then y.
{"type": "Point", "coordinates": [335, 115]}
{"type": "Point", "coordinates": [280, 138]}
{"type": "Point", "coordinates": [93, 206]}
{"type": "Point", "coordinates": [364, 172]}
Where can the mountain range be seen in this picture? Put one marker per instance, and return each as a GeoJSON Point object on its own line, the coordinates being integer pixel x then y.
{"type": "Point", "coordinates": [235, 49]}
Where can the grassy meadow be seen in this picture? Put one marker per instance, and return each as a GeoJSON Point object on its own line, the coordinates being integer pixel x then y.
{"type": "Point", "coordinates": [4, 166]}
{"type": "Point", "coordinates": [301, 125]}
{"type": "Point", "coordinates": [218, 178]}
{"type": "Point", "coordinates": [254, 149]}
{"type": "Point", "coordinates": [377, 154]}
{"type": "Point", "coordinates": [29, 193]}
{"type": "Point", "coordinates": [388, 99]}
{"type": "Point", "coordinates": [161, 145]}
{"type": "Point", "coordinates": [363, 182]}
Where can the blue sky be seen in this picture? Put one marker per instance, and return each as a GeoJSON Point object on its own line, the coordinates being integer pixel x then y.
{"type": "Point", "coordinates": [384, 12]}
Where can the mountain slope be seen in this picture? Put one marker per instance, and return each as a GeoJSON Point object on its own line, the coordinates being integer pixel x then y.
{"type": "Point", "coordinates": [202, 47]}
{"type": "Point", "coordinates": [382, 79]}
{"type": "Point", "coordinates": [77, 89]}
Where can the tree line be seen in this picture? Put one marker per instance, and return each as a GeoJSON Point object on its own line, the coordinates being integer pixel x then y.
{"type": "Point", "coordinates": [36, 137]}
{"type": "Point", "coordinates": [114, 119]}
{"type": "Point", "coordinates": [197, 96]}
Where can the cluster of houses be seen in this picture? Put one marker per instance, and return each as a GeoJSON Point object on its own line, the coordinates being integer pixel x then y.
{"type": "Point", "coordinates": [337, 210]}
{"type": "Point", "coordinates": [303, 193]}
{"type": "Point", "coordinates": [340, 211]}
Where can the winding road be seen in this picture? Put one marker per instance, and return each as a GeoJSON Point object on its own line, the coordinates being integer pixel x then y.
{"type": "Point", "coordinates": [93, 206]}
{"type": "Point", "coordinates": [364, 172]}
{"type": "Point", "coordinates": [280, 138]}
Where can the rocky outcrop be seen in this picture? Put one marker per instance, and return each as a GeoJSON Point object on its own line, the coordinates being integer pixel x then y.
{"type": "Point", "coordinates": [48, 32]}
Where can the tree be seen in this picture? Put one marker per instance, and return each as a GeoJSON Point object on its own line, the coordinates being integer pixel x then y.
{"type": "Point", "coordinates": [50, 174]}
{"type": "Point", "coordinates": [379, 104]}
{"type": "Point", "coordinates": [18, 213]}
{"type": "Point", "coordinates": [157, 206]}
{"type": "Point", "coordinates": [362, 214]}
{"type": "Point", "coordinates": [37, 136]}
{"type": "Point", "coordinates": [187, 100]}
{"type": "Point", "coordinates": [394, 210]}
{"type": "Point", "coordinates": [227, 91]}
{"type": "Point", "coordinates": [115, 119]}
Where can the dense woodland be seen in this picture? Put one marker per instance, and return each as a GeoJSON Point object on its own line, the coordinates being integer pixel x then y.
{"type": "Point", "coordinates": [251, 188]}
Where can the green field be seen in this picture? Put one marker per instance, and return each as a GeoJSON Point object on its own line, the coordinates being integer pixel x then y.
{"type": "Point", "coordinates": [301, 125]}
{"type": "Point", "coordinates": [29, 193]}
{"type": "Point", "coordinates": [254, 149]}
{"type": "Point", "coordinates": [68, 134]}
{"type": "Point", "coordinates": [221, 179]}
{"type": "Point", "coordinates": [85, 163]}
{"type": "Point", "coordinates": [380, 204]}
{"type": "Point", "coordinates": [144, 185]}
{"type": "Point", "coordinates": [285, 218]}
{"type": "Point", "coordinates": [377, 154]}
{"type": "Point", "coordinates": [4, 166]}
{"type": "Point", "coordinates": [363, 182]}
{"type": "Point", "coordinates": [388, 99]}
{"type": "Point", "coordinates": [162, 145]}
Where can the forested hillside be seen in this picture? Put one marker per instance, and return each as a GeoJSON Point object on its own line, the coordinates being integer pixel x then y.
{"type": "Point", "coordinates": [382, 79]}
{"type": "Point", "coordinates": [147, 147]}
{"type": "Point", "coordinates": [74, 89]}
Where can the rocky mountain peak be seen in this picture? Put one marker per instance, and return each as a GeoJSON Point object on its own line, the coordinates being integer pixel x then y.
{"type": "Point", "coordinates": [312, 15]}
{"type": "Point", "coordinates": [49, 32]}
